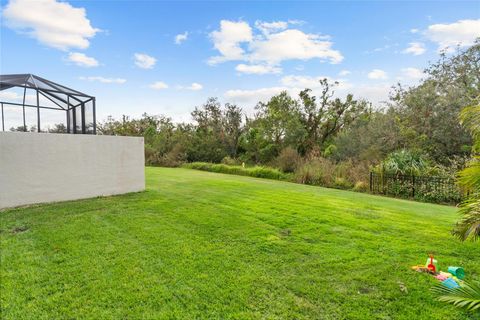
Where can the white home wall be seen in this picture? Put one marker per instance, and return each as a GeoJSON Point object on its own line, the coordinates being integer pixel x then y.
{"type": "Point", "coordinates": [36, 167]}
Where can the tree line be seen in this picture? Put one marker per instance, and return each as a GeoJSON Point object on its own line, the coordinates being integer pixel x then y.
{"type": "Point", "coordinates": [423, 119]}
{"type": "Point", "coordinates": [432, 128]}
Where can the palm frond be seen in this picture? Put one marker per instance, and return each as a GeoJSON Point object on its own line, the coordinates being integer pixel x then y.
{"type": "Point", "coordinates": [470, 119]}
{"type": "Point", "coordinates": [469, 178]}
{"type": "Point", "coordinates": [467, 296]}
{"type": "Point", "coordinates": [469, 225]}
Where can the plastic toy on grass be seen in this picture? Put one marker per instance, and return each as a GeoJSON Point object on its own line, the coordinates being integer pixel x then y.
{"type": "Point", "coordinates": [441, 276]}
{"type": "Point", "coordinates": [431, 264]}
{"type": "Point", "coordinates": [421, 268]}
{"type": "Point", "coordinates": [457, 272]}
{"type": "Point", "coordinates": [450, 283]}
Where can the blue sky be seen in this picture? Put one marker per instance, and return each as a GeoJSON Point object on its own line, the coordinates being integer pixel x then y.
{"type": "Point", "coordinates": [125, 53]}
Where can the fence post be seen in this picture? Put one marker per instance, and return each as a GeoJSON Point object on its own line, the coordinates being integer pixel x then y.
{"type": "Point", "coordinates": [413, 186]}
{"type": "Point", "coordinates": [383, 183]}
{"type": "Point", "coordinates": [371, 182]}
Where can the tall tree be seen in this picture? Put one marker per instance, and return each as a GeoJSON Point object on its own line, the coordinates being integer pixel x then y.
{"type": "Point", "coordinates": [372, 137]}
{"type": "Point", "coordinates": [208, 139]}
{"type": "Point", "coordinates": [232, 123]}
{"type": "Point", "coordinates": [280, 120]}
{"type": "Point", "coordinates": [217, 131]}
{"type": "Point", "coordinates": [324, 117]}
{"type": "Point", "coordinates": [275, 126]}
{"type": "Point", "coordinates": [428, 113]}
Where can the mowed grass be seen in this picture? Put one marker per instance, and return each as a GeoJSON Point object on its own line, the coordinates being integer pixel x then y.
{"type": "Point", "coordinates": [199, 245]}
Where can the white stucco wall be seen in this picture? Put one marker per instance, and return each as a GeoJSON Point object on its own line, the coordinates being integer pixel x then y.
{"type": "Point", "coordinates": [36, 167]}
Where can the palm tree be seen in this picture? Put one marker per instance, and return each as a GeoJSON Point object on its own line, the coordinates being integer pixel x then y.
{"type": "Point", "coordinates": [469, 180]}
{"type": "Point", "coordinates": [468, 294]}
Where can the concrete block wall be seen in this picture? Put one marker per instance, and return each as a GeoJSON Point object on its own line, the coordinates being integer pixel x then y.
{"type": "Point", "coordinates": [37, 168]}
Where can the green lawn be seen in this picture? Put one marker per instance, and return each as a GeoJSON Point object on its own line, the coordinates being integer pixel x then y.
{"type": "Point", "coordinates": [206, 245]}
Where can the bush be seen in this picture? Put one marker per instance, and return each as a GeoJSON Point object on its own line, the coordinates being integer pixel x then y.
{"type": "Point", "coordinates": [174, 158]}
{"type": "Point", "coordinates": [230, 161]}
{"type": "Point", "coordinates": [317, 171]}
{"type": "Point", "coordinates": [342, 183]}
{"type": "Point", "coordinates": [150, 155]}
{"type": "Point", "coordinates": [257, 171]}
{"type": "Point", "coordinates": [360, 186]}
{"type": "Point", "coordinates": [404, 162]}
{"type": "Point", "coordinates": [324, 172]}
{"type": "Point", "coordinates": [288, 160]}
{"type": "Point", "coordinates": [330, 150]}
{"type": "Point", "coordinates": [353, 171]}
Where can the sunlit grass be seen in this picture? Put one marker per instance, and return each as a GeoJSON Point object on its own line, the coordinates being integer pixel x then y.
{"type": "Point", "coordinates": [206, 245]}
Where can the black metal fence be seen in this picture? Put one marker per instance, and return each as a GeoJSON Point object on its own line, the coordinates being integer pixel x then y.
{"type": "Point", "coordinates": [423, 188]}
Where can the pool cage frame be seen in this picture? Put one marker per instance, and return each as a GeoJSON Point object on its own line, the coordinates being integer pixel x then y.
{"type": "Point", "coordinates": [63, 99]}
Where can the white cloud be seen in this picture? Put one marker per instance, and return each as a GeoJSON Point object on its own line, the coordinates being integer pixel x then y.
{"type": "Point", "coordinates": [195, 86]}
{"type": "Point", "coordinates": [104, 80]}
{"type": "Point", "coordinates": [179, 38]}
{"type": "Point", "coordinates": [412, 73]}
{"type": "Point", "coordinates": [293, 44]}
{"type": "Point", "coordinates": [10, 96]}
{"type": "Point", "coordinates": [414, 30]}
{"type": "Point", "coordinates": [344, 73]}
{"type": "Point", "coordinates": [377, 74]}
{"type": "Point", "coordinates": [268, 27]}
{"type": "Point", "coordinates": [144, 61]}
{"type": "Point", "coordinates": [462, 33]}
{"type": "Point", "coordinates": [253, 96]}
{"type": "Point", "coordinates": [82, 60]}
{"type": "Point", "coordinates": [55, 24]}
{"type": "Point", "coordinates": [301, 82]}
{"type": "Point", "coordinates": [159, 85]}
{"type": "Point", "coordinates": [377, 94]}
{"type": "Point", "coordinates": [415, 48]}
{"type": "Point", "coordinates": [293, 84]}
{"type": "Point", "coordinates": [276, 43]}
{"type": "Point", "coordinates": [17, 97]}
{"type": "Point", "coordinates": [227, 40]}
{"type": "Point", "coordinates": [257, 69]}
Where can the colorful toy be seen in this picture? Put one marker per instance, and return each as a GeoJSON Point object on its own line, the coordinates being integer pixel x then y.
{"type": "Point", "coordinates": [421, 268]}
{"type": "Point", "coordinates": [441, 277]}
{"type": "Point", "coordinates": [451, 279]}
{"type": "Point", "coordinates": [457, 272]}
{"type": "Point", "coordinates": [450, 283]}
{"type": "Point", "coordinates": [431, 264]}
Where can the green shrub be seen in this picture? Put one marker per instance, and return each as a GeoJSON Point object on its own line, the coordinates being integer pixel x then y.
{"type": "Point", "coordinates": [150, 155]}
{"type": "Point", "coordinates": [174, 158]}
{"type": "Point", "coordinates": [353, 171]}
{"type": "Point", "coordinates": [361, 186]}
{"type": "Point", "coordinates": [230, 161]}
{"type": "Point", "coordinates": [324, 172]}
{"type": "Point", "coordinates": [342, 183]}
{"type": "Point", "coordinates": [317, 171]}
{"type": "Point", "coordinates": [330, 150]}
{"type": "Point", "coordinates": [288, 160]}
{"type": "Point", "coordinates": [257, 171]}
{"type": "Point", "coordinates": [404, 162]}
